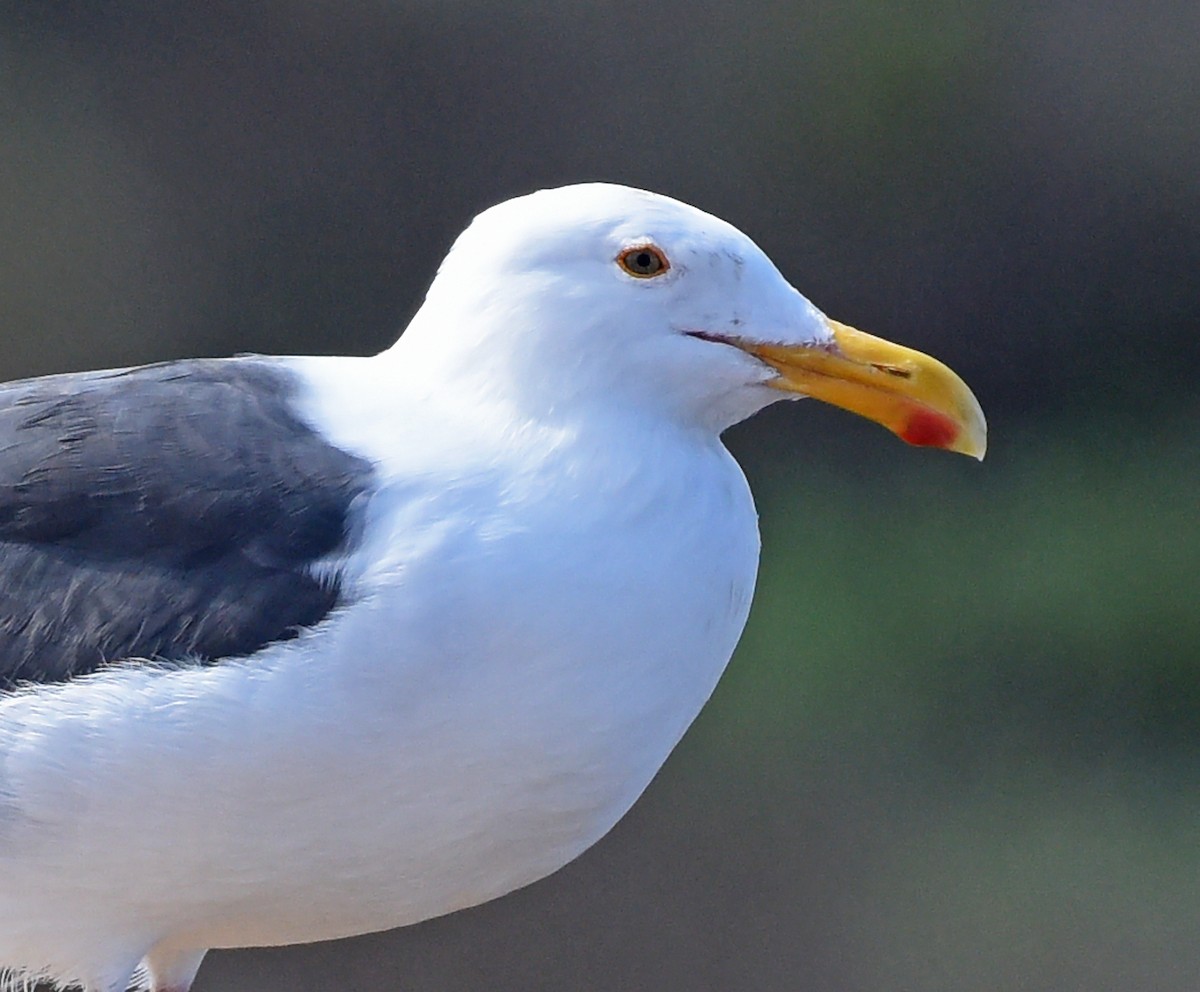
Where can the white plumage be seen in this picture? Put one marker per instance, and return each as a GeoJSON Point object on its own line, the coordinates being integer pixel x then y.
{"type": "Point", "coordinates": [550, 569]}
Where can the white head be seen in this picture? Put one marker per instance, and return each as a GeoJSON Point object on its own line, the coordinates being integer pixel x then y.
{"type": "Point", "coordinates": [600, 294]}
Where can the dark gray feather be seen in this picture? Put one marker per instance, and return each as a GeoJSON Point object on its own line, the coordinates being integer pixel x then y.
{"type": "Point", "coordinates": [171, 512]}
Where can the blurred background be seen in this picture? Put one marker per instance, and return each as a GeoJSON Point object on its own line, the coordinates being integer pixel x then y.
{"type": "Point", "coordinates": [957, 748]}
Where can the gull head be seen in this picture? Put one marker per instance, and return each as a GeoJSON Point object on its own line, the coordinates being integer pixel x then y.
{"type": "Point", "coordinates": [599, 295]}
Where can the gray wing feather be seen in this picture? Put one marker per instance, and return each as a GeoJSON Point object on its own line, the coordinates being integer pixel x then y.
{"type": "Point", "coordinates": [170, 512]}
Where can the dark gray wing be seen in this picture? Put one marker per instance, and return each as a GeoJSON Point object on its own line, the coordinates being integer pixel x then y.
{"type": "Point", "coordinates": [171, 512]}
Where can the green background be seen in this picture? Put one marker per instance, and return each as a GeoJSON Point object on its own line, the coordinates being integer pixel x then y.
{"type": "Point", "coordinates": [957, 748]}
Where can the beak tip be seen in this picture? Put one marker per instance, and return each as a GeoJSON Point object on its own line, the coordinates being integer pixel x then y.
{"type": "Point", "coordinates": [926, 428]}
{"type": "Point", "coordinates": [977, 432]}
{"type": "Point", "coordinates": [982, 447]}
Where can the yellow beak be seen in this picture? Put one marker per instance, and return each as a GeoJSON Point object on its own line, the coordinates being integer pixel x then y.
{"type": "Point", "coordinates": [914, 396]}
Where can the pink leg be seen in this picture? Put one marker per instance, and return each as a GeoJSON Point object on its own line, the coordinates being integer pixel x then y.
{"type": "Point", "coordinates": [172, 969]}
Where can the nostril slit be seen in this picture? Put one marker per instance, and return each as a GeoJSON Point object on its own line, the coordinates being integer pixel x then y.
{"type": "Point", "coordinates": [896, 370]}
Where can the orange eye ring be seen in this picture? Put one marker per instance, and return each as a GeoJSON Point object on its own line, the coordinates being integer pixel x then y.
{"type": "Point", "coordinates": [643, 261]}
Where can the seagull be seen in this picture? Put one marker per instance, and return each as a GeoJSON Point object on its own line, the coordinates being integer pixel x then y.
{"type": "Point", "coordinates": [294, 648]}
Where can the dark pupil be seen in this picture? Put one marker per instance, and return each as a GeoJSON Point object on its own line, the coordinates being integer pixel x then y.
{"type": "Point", "coordinates": [643, 261]}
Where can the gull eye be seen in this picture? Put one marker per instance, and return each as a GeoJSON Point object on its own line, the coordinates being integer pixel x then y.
{"type": "Point", "coordinates": [643, 261]}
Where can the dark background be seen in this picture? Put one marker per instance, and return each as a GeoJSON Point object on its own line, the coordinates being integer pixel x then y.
{"type": "Point", "coordinates": [957, 748]}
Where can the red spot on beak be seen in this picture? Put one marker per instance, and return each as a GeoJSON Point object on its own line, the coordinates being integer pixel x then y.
{"type": "Point", "coordinates": [927, 429]}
